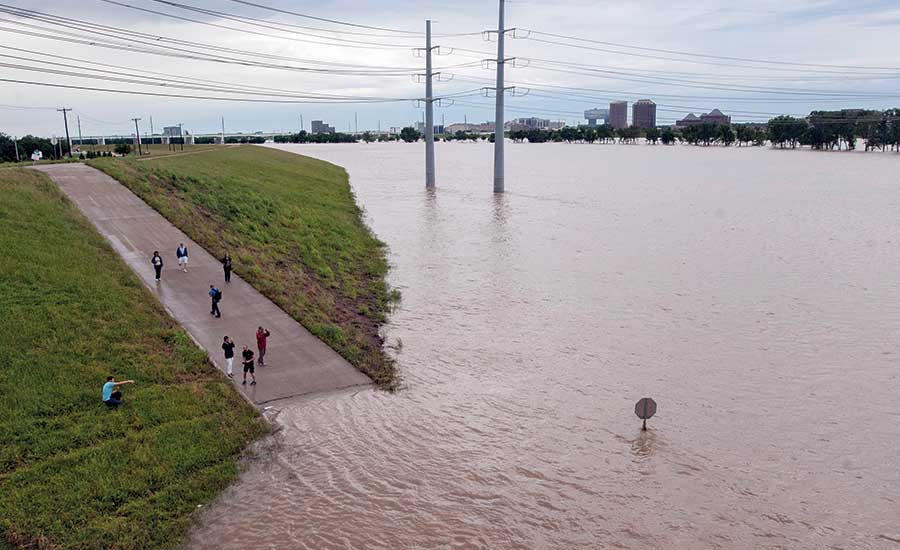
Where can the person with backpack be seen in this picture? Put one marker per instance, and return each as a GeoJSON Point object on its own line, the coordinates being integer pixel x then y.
{"type": "Point", "coordinates": [247, 354]}
{"type": "Point", "coordinates": [262, 336]}
{"type": "Point", "coordinates": [226, 266]}
{"type": "Point", "coordinates": [157, 262]}
{"type": "Point", "coordinates": [228, 348]}
{"type": "Point", "coordinates": [216, 296]}
{"type": "Point", "coordinates": [182, 254]}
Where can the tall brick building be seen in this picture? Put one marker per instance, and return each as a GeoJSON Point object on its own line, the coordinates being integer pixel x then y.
{"type": "Point", "coordinates": [643, 114]}
{"type": "Point", "coordinates": [618, 114]}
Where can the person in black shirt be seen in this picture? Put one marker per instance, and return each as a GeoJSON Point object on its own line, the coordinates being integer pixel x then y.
{"type": "Point", "coordinates": [157, 262]}
{"type": "Point", "coordinates": [248, 366]}
{"type": "Point", "coordinates": [228, 348]}
{"type": "Point", "coordinates": [226, 266]}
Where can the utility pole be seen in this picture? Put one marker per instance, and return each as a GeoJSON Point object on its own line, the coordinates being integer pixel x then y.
{"type": "Point", "coordinates": [301, 123]}
{"type": "Point", "coordinates": [223, 130]}
{"type": "Point", "coordinates": [356, 122]}
{"type": "Point", "coordinates": [16, 145]}
{"type": "Point", "coordinates": [181, 133]}
{"type": "Point", "coordinates": [137, 135]}
{"type": "Point", "coordinates": [499, 161]}
{"type": "Point", "coordinates": [429, 108]}
{"type": "Point", "coordinates": [65, 113]}
{"type": "Point", "coordinates": [151, 130]}
{"type": "Point", "coordinates": [80, 138]}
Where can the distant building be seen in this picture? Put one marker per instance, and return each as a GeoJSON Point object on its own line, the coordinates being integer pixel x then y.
{"type": "Point", "coordinates": [643, 114]}
{"type": "Point", "coordinates": [532, 124]}
{"type": "Point", "coordinates": [593, 115]}
{"type": "Point", "coordinates": [438, 128]}
{"type": "Point", "coordinates": [483, 128]}
{"type": "Point", "coordinates": [618, 114]}
{"type": "Point", "coordinates": [319, 127]}
{"type": "Point", "coordinates": [713, 117]}
{"type": "Point", "coordinates": [172, 131]}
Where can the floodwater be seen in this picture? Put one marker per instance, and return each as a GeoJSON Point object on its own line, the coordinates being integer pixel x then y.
{"type": "Point", "coordinates": [755, 294]}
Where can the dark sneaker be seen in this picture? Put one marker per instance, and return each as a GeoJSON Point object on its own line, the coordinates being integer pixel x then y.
{"type": "Point", "coordinates": [253, 383]}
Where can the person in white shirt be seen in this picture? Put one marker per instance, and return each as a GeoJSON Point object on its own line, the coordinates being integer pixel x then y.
{"type": "Point", "coordinates": [182, 255]}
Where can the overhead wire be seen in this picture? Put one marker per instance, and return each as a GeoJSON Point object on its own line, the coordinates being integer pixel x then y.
{"type": "Point", "coordinates": [187, 96]}
{"type": "Point", "coordinates": [335, 41]}
{"type": "Point", "coordinates": [701, 55]}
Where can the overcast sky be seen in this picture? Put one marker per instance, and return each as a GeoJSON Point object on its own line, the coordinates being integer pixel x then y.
{"type": "Point", "coordinates": [851, 48]}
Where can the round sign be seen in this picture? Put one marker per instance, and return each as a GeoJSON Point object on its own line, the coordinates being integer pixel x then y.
{"type": "Point", "coordinates": [645, 408]}
{"type": "Point", "coordinates": [53, 141]}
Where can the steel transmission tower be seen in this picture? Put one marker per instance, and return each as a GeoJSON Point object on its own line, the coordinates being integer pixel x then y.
{"type": "Point", "coordinates": [429, 109]}
{"type": "Point", "coordinates": [499, 161]}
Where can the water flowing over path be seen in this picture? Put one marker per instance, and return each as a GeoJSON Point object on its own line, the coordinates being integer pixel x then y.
{"type": "Point", "coordinates": [297, 363]}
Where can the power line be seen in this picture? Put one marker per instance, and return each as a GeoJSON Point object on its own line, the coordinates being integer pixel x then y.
{"type": "Point", "coordinates": [176, 78]}
{"type": "Point", "coordinates": [626, 93]}
{"type": "Point", "coordinates": [169, 51]}
{"type": "Point", "coordinates": [190, 54]}
{"type": "Point", "coordinates": [711, 86]}
{"type": "Point", "coordinates": [325, 19]}
{"type": "Point", "coordinates": [187, 96]}
{"type": "Point", "coordinates": [842, 75]}
{"type": "Point", "coordinates": [188, 86]}
{"type": "Point", "coordinates": [699, 55]}
{"type": "Point", "coordinates": [355, 43]}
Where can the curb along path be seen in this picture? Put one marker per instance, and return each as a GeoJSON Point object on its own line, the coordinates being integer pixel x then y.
{"type": "Point", "coordinates": [297, 362]}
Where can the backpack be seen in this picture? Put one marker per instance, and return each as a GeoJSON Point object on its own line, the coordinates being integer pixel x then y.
{"type": "Point", "coordinates": [218, 295]}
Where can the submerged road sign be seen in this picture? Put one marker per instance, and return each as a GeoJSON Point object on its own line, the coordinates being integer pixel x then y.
{"type": "Point", "coordinates": [644, 409]}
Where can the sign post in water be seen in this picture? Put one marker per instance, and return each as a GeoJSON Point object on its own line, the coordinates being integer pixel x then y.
{"type": "Point", "coordinates": [644, 409]}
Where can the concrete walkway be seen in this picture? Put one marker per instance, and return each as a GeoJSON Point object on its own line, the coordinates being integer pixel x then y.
{"type": "Point", "coordinates": [297, 362]}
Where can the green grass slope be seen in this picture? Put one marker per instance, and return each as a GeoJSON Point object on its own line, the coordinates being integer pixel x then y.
{"type": "Point", "coordinates": [293, 228]}
{"type": "Point", "coordinates": [74, 474]}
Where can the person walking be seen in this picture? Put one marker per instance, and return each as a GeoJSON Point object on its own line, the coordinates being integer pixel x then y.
{"type": "Point", "coordinates": [262, 336]}
{"type": "Point", "coordinates": [110, 395]}
{"type": "Point", "coordinates": [228, 348]}
{"type": "Point", "coordinates": [216, 295]}
{"type": "Point", "coordinates": [157, 262]}
{"type": "Point", "coordinates": [247, 354]}
{"type": "Point", "coordinates": [182, 254]}
{"type": "Point", "coordinates": [226, 266]}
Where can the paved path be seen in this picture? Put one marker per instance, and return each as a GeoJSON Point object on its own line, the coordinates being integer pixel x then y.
{"type": "Point", "coordinates": [297, 362]}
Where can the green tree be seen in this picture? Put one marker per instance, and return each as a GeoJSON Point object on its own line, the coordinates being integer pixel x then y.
{"type": "Point", "coordinates": [652, 135]}
{"type": "Point", "coordinates": [667, 136]}
{"type": "Point", "coordinates": [122, 149]}
{"type": "Point", "coordinates": [725, 135]}
{"type": "Point", "coordinates": [368, 137]}
{"type": "Point", "coordinates": [786, 130]}
{"type": "Point", "coordinates": [410, 134]}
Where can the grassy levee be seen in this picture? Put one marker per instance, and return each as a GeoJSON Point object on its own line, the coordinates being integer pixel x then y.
{"type": "Point", "coordinates": [294, 231]}
{"type": "Point", "coordinates": [73, 473]}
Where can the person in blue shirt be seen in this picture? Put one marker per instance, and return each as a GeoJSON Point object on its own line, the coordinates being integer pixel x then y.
{"type": "Point", "coordinates": [112, 396]}
{"type": "Point", "coordinates": [216, 296]}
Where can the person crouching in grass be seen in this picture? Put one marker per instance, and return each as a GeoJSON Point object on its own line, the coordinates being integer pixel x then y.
{"type": "Point", "coordinates": [111, 396]}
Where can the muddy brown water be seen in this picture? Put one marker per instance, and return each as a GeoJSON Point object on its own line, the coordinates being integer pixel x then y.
{"type": "Point", "coordinates": [755, 294]}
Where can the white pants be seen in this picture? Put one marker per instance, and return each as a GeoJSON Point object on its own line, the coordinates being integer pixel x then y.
{"type": "Point", "coordinates": [182, 261]}
{"type": "Point", "coordinates": [228, 363]}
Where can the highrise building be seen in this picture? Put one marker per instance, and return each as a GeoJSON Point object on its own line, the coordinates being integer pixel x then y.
{"type": "Point", "coordinates": [593, 115]}
{"type": "Point", "coordinates": [319, 127]}
{"type": "Point", "coordinates": [618, 114]}
{"type": "Point", "coordinates": [643, 114]}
